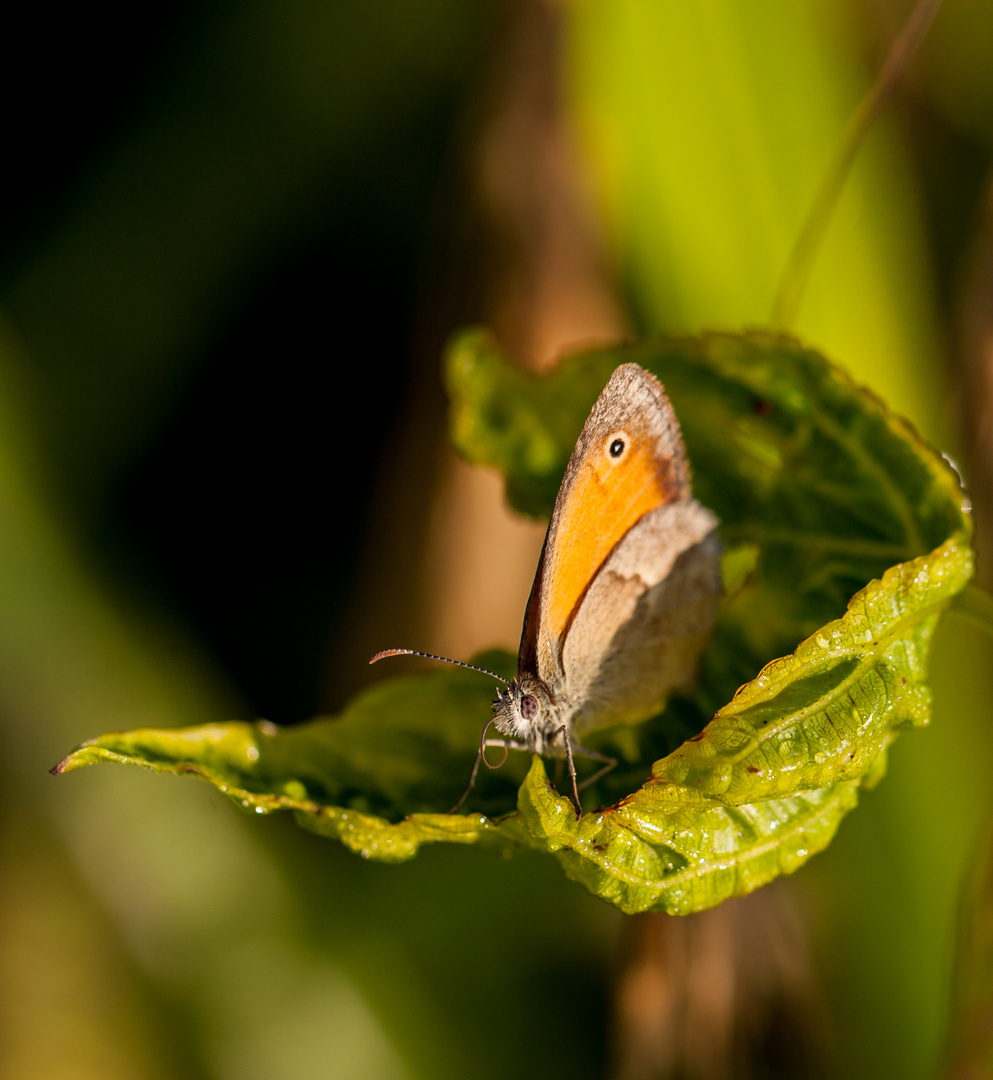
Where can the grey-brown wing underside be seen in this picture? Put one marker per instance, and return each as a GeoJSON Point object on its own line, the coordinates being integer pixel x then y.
{"type": "Point", "coordinates": [639, 631]}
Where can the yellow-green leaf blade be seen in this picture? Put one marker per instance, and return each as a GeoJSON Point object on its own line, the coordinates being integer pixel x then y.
{"type": "Point", "coordinates": [847, 538]}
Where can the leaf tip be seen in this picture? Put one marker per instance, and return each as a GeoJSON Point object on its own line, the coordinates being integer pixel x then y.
{"type": "Point", "coordinates": [63, 766]}
{"type": "Point", "coordinates": [75, 759]}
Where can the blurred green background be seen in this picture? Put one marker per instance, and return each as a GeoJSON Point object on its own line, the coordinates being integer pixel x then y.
{"type": "Point", "coordinates": [216, 215]}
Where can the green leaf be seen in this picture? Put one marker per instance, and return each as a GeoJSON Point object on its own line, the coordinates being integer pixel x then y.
{"type": "Point", "coordinates": [846, 539]}
{"type": "Point", "coordinates": [796, 461]}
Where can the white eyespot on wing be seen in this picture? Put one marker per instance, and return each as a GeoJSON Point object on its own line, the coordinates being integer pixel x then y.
{"type": "Point", "coordinates": [615, 446]}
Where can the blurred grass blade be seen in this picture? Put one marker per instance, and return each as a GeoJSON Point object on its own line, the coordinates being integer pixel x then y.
{"type": "Point", "coordinates": [808, 242]}
{"type": "Point", "coordinates": [709, 129]}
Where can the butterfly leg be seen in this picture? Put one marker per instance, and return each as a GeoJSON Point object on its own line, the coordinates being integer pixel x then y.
{"type": "Point", "coordinates": [507, 744]}
{"type": "Point", "coordinates": [564, 732]}
{"type": "Point", "coordinates": [610, 763]}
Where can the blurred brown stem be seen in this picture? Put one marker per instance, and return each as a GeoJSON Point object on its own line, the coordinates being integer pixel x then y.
{"type": "Point", "coordinates": [719, 995]}
{"type": "Point", "coordinates": [971, 1041]}
{"type": "Point", "coordinates": [975, 362]}
{"type": "Point", "coordinates": [524, 256]}
{"type": "Point", "coordinates": [723, 995]}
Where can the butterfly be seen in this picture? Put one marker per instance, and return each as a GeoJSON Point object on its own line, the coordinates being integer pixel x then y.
{"type": "Point", "coordinates": [626, 589]}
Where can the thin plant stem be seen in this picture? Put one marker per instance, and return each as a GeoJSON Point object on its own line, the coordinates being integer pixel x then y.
{"type": "Point", "coordinates": [811, 235]}
{"type": "Point", "coordinates": [975, 605]}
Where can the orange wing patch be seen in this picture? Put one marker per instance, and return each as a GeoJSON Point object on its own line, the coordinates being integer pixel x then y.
{"type": "Point", "coordinates": [605, 501]}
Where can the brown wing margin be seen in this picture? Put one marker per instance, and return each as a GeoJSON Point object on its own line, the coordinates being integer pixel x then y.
{"type": "Point", "coordinates": [527, 654]}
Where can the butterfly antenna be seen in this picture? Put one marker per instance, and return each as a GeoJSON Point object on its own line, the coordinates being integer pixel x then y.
{"type": "Point", "coordinates": [444, 659]}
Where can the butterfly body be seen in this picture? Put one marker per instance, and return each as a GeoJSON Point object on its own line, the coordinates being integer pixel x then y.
{"type": "Point", "coordinates": [626, 588]}
{"type": "Point", "coordinates": [627, 583]}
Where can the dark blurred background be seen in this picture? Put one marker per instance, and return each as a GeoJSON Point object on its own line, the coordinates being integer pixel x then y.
{"type": "Point", "coordinates": [235, 237]}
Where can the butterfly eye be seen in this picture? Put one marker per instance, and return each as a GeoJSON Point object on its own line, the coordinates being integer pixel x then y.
{"type": "Point", "coordinates": [616, 447]}
{"type": "Point", "coordinates": [529, 706]}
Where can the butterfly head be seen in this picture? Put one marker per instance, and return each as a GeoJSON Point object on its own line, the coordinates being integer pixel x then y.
{"type": "Point", "coordinates": [524, 710]}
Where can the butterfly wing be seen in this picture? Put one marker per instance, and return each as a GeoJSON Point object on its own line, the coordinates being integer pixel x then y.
{"type": "Point", "coordinates": [639, 630]}
{"type": "Point", "coordinates": [628, 462]}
